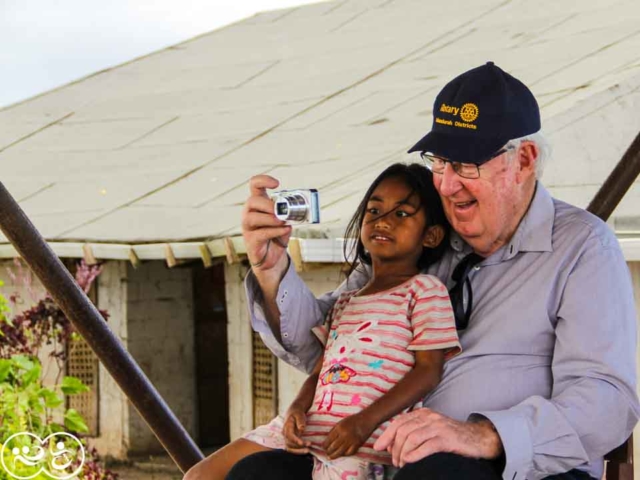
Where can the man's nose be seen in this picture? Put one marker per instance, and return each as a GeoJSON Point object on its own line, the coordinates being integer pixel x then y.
{"type": "Point", "coordinates": [450, 183]}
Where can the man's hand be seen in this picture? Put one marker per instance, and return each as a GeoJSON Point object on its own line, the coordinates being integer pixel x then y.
{"type": "Point", "coordinates": [415, 435]}
{"type": "Point", "coordinates": [347, 436]}
{"type": "Point", "coordinates": [294, 424]}
{"type": "Point", "coordinates": [265, 236]}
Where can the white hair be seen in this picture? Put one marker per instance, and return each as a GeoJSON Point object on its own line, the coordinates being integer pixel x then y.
{"type": "Point", "coordinates": [544, 149]}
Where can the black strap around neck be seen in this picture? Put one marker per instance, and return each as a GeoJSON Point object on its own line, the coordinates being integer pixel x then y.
{"type": "Point", "coordinates": [460, 276]}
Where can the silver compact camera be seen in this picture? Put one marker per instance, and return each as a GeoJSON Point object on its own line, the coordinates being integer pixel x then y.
{"type": "Point", "coordinates": [297, 206]}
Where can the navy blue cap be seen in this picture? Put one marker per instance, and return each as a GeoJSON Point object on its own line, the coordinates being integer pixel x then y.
{"type": "Point", "coordinates": [477, 113]}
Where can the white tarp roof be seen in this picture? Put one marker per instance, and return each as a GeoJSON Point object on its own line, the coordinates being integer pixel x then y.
{"type": "Point", "coordinates": [160, 149]}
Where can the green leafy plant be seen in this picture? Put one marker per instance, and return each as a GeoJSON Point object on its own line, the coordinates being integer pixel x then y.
{"type": "Point", "coordinates": [26, 405]}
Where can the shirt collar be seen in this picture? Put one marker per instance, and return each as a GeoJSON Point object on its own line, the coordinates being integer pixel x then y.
{"type": "Point", "coordinates": [534, 232]}
{"type": "Point", "coordinates": [532, 235]}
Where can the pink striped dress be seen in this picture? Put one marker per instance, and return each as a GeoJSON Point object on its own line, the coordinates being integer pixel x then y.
{"type": "Point", "coordinates": [369, 348]}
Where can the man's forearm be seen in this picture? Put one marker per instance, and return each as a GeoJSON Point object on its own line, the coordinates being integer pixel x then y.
{"type": "Point", "coordinates": [269, 282]}
{"type": "Point", "coordinates": [293, 313]}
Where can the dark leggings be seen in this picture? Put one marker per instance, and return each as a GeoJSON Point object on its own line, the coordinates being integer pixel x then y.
{"type": "Point", "coordinates": [281, 465]}
{"type": "Point", "coordinates": [272, 465]}
{"type": "Point", "coordinates": [443, 466]}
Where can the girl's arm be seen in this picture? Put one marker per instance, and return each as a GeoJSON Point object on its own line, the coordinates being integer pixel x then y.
{"type": "Point", "coordinates": [413, 387]}
{"type": "Point", "coordinates": [350, 434]}
{"type": "Point", "coordinates": [296, 417]}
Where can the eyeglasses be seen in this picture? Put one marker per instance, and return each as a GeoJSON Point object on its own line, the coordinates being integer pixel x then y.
{"type": "Point", "coordinates": [436, 164]}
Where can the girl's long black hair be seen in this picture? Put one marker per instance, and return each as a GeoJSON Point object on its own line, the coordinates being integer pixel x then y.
{"type": "Point", "coordinates": [420, 181]}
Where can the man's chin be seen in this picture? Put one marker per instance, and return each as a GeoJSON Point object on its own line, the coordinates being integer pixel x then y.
{"type": "Point", "coordinates": [473, 238]}
{"type": "Point", "coordinates": [466, 230]}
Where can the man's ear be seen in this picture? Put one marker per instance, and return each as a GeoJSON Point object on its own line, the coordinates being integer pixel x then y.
{"type": "Point", "coordinates": [527, 158]}
{"type": "Point", "coordinates": [433, 236]}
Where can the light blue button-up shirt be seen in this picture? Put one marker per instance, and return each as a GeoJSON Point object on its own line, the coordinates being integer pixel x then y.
{"type": "Point", "coordinates": [549, 354]}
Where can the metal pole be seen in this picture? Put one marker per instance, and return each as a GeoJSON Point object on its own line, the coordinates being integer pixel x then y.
{"type": "Point", "coordinates": [618, 182]}
{"type": "Point", "coordinates": [87, 320]}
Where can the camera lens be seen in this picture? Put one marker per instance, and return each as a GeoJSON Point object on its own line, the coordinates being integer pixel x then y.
{"type": "Point", "coordinates": [282, 208]}
{"type": "Point", "coordinates": [292, 208]}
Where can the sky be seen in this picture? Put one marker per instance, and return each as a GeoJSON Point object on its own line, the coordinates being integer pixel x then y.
{"type": "Point", "coordinates": [48, 43]}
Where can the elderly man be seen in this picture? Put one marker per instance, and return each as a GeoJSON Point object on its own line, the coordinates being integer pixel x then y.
{"type": "Point", "coordinates": [546, 383]}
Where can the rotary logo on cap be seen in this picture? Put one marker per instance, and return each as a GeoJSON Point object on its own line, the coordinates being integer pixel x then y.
{"type": "Point", "coordinates": [509, 111]}
{"type": "Point", "coordinates": [469, 112]}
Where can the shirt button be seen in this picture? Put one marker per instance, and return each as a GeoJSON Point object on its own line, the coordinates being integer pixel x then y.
{"type": "Point", "coordinates": [477, 267]}
{"type": "Point", "coordinates": [285, 335]}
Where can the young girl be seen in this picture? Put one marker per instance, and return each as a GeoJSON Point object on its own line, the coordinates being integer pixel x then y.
{"type": "Point", "coordinates": [385, 345]}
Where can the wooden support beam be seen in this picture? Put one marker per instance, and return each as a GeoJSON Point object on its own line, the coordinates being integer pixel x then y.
{"type": "Point", "coordinates": [170, 257]}
{"type": "Point", "coordinates": [89, 258]}
{"type": "Point", "coordinates": [207, 260]}
{"type": "Point", "coordinates": [133, 258]}
{"type": "Point", "coordinates": [230, 251]}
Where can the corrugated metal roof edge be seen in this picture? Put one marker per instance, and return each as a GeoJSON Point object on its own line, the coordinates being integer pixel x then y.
{"type": "Point", "coordinates": [306, 250]}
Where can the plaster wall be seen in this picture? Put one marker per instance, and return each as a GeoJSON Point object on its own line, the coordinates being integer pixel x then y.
{"type": "Point", "coordinates": [240, 352]}
{"type": "Point", "coordinates": [160, 337]}
{"type": "Point", "coordinates": [113, 439]}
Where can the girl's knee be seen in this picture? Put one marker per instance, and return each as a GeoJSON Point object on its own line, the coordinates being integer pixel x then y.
{"type": "Point", "coordinates": [195, 473]}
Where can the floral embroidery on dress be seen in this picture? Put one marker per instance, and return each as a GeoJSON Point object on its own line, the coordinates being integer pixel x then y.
{"type": "Point", "coordinates": [347, 346]}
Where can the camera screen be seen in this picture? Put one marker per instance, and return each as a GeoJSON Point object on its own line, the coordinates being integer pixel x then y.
{"type": "Point", "coordinates": [282, 208]}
